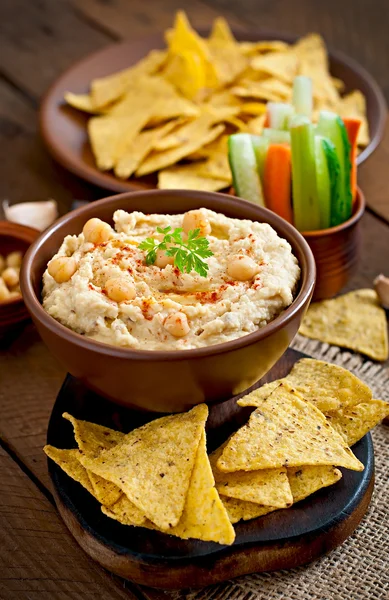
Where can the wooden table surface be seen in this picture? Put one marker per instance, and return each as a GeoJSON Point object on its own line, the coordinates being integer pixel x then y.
{"type": "Point", "coordinates": [39, 560]}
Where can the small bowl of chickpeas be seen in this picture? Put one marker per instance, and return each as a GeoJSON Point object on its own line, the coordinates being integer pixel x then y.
{"type": "Point", "coordinates": [14, 241]}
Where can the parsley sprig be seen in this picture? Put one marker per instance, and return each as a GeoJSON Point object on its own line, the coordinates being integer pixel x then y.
{"type": "Point", "coordinates": [189, 254]}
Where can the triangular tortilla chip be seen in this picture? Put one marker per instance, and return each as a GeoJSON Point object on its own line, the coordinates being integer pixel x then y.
{"type": "Point", "coordinates": [281, 65]}
{"type": "Point", "coordinates": [329, 387]}
{"type": "Point", "coordinates": [124, 511]}
{"type": "Point", "coordinates": [305, 481]}
{"type": "Point", "coordinates": [204, 516]}
{"type": "Point", "coordinates": [269, 487]}
{"type": "Point", "coordinates": [271, 89]}
{"type": "Point", "coordinates": [286, 431]}
{"type": "Point", "coordinates": [82, 102]}
{"type": "Point", "coordinates": [202, 135]}
{"type": "Point", "coordinates": [353, 423]}
{"type": "Point", "coordinates": [354, 320]}
{"type": "Point", "coordinates": [221, 32]}
{"type": "Point", "coordinates": [137, 151]}
{"type": "Point", "coordinates": [262, 47]}
{"type": "Point", "coordinates": [186, 177]}
{"type": "Point", "coordinates": [239, 510]}
{"type": "Point", "coordinates": [92, 438]}
{"type": "Point", "coordinates": [68, 461]}
{"type": "Point", "coordinates": [153, 465]}
{"type": "Point", "coordinates": [106, 90]}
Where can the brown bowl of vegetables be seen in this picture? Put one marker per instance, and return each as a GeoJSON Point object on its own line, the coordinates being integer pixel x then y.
{"type": "Point", "coordinates": [303, 167]}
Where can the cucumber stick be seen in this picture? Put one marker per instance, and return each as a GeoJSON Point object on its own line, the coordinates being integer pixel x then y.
{"type": "Point", "coordinates": [276, 137]}
{"type": "Point", "coordinates": [260, 145]}
{"type": "Point", "coordinates": [305, 205]}
{"type": "Point", "coordinates": [279, 114]}
{"type": "Point", "coordinates": [302, 95]}
{"type": "Point", "coordinates": [331, 126]}
{"type": "Point", "coordinates": [327, 174]}
{"type": "Point", "coordinates": [243, 165]}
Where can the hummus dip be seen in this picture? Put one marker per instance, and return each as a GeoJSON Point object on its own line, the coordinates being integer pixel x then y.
{"type": "Point", "coordinates": [99, 285]}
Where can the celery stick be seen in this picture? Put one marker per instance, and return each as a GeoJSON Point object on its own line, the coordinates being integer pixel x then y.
{"type": "Point", "coordinates": [279, 114]}
{"type": "Point", "coordinates": [327, 173]}
{"type": "Point", "coordinates": [260, 145]}
{"type": "Point", "coordinates": [276, 137]}
{"type": "Point", "coordinates": [331, 126]}
{"type": "Point", "coordinates": [305, 205]}
{"type": "Point", "coordinates": [243, 166]}
{"type": "Point", "coordinates": [302, 95]}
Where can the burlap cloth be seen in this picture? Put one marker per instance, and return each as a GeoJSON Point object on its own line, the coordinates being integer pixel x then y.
{"type": "Point", "coordinates": [359, 569]}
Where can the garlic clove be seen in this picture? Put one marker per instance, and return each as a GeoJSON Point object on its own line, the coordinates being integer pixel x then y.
{"type": "Point", "coordinates": [381, 286]}
{"type": "Point", "coordinates": [33, 214]}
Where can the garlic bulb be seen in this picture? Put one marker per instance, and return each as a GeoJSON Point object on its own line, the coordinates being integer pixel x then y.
{"type": "Point", "coordinates": [33, 214]}
{"type": "Point", "coordinates": [381, 286]}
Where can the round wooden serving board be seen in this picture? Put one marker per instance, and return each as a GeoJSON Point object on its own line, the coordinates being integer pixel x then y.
{"type": "Point", "coordinates": [64, 131]}
{"type": "Point", "coordinates": [281, 540]}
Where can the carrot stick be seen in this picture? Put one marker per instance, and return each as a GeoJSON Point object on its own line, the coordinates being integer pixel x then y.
{"type": "Point", "coordinates": [277, 180]}
{"type": "Point", "coordinates": [266, 122]}
{"type": "Point", "coordinates": [352, 128]}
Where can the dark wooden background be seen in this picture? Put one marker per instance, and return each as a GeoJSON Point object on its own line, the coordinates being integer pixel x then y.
{"type": "Point", "coordinates": [38, 39]}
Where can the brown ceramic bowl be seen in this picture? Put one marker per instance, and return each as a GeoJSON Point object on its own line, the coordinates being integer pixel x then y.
{"type": "Point", "coordinates": [336, 252]}
{"type": "Point", "coordinates": [14, 237]}
{"type": "Point", "coordinates": [157, 380]}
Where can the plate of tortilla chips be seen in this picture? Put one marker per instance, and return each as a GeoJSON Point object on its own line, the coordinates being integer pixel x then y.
{"type": "Point", "coordinates": [291, 462]}
{"type": "Point", "coordinates": [157, 112]}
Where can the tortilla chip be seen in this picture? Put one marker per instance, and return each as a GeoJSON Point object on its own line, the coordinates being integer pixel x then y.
{"type": "Point", "coordinates": [186, 177]}
{"type": "Point", "coordinates": [202, 134]}
{"type": "Point", "coordinates": [281, 65]}
{"type": "Point", "coordinates": [106, 90]}
{"type": "Point", "coordinates": [255, 126]}
{"type": "Point", "coordinates": [263, 47]}
{"type": "Point", "coordinates": [269, 487]}
{"type": "Point", "coordinates": [223, 98]}
{"type": "Point", "coordinates": [154, 463]}
{"type": "Point", "coordinates": [92, 438]}
{"type": "Point", "coordinates": [184, 38]}
{"type": "Point", "coordinates": [204, 516]}
{"type": "Point", "coordinates": [270, 89]}
{"type": "Point", "coordinates": [110, 137]}
{"type": "Point", "coordinates": [286, 431]}
{"type": "Point", "coordinates": [140, 148]}
{"type": "Point", "coordinates": [68, 461]}
{"type": "Point", "coordinates": [253, 108]}
{"type": "Point", "coordinates": [313, 62]}
{"type": "Point", "coordinates": [125, 512]}
{"type": "Point", "coordinates": [82, 102]}
{"type": "Point", "coordinates": [353, 423]}
{"type": "Point", "coordinates": [329, 387]}
{"type": "Point", "coordinates": [186, 71]}
{"type": "Point", "coordinates": [305, 481]}
{"type": "Point", "coordinates": [239, 510]}
{"type": "Point", "coordinates": [216, 167]}
{"type": "Point", "coordinates": [228, 61]}
{"type": "Point", "coordinates": [354, 105]}
{"type": "Point", "coordinates": [354, 320]}
{"type": "Point", "coordinates": [221, 33]}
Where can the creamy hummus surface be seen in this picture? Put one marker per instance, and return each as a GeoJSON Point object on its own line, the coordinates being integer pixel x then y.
{"type": "Point", "coordinates": [99, 284]}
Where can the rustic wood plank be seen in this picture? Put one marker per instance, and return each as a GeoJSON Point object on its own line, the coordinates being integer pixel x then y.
{"type": "Point", "coordinates": [352, 26]}
{"type": "Point", "coordinates": [26, 170]}
{"type": "Point", "coordinates": [40, 39]}
{"type": "Point", "coordinates": [38, 557]}
{"type": "Point", "coordinates": [126, 19]}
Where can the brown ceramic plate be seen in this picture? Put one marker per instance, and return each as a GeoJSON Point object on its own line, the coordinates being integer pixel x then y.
{"type": "Point", "coordinates": [64, 129]}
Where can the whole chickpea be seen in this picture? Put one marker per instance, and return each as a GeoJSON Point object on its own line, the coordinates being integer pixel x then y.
{"type": "Point", "coordinates": [4, 291]}
{"type": "Point", "coordinates": [120, 290]}
{"type": "Point", "coordinates": [242, 268]}
{"type": "Point", "coordinates": [10, 276]}
{"type": "Point", "coordinates": [62, 268]}
{"type": "Point", "coordinates": [195, 219]}
{"type": "Point", "coordinates": [163, 259]}
{"type": "Point", "coordinates": [14, 259]}
{"type": "Point", "coordinates": [177, 324]}
{"type": "Point", "coordinates": [97, 231]}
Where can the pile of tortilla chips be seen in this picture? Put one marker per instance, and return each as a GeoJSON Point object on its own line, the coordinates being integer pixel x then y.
{"type": "Point", "coordinates": [171, 113]}
{"type": "Point", "coordinates": [159, 476]}
{"type": "Point", "coordinates": [354, 320]}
